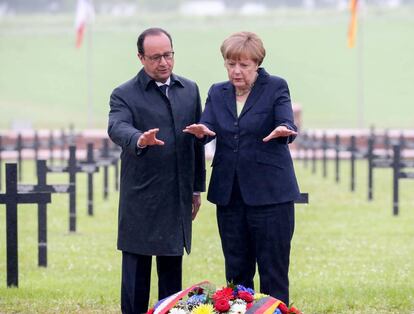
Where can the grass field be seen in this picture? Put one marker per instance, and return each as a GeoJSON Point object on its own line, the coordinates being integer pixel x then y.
{"type": "Point", "coordinates": [349, 255]}
{"type": "Point", "coordinates": [43, 77]}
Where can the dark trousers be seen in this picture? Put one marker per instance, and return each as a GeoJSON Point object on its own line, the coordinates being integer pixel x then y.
{"type": "Point", "coordinates": [257, 234]}
{"type": "Point", "coordinates": [136, 280]}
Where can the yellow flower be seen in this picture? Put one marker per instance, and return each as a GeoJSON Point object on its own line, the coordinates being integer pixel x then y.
{"type": "Point", "coordinates": [258, 296]}
{"type": "Point", "coordinates": [203, 309]}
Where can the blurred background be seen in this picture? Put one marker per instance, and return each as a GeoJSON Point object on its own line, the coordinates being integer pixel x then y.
{"type": "Point", "coordinates": [46, 82]}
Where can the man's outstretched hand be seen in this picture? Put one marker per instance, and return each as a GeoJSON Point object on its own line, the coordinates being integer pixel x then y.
{"type": "Point", "coordinates": [148, 138]}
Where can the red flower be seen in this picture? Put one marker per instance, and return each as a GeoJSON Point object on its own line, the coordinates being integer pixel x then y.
{"type": "Point", "coordinates": [283, 308]}
{"type": "Point", "coordinates": [244, 295]}
{"type": "Point", "coordinates": [222, 305]}
{"type": "Point", "coordinates": [225, 293]}
{"type": "Point", "coordinates": [249, 305]}
{"type": "Point", "coordinates": [294, 310]}
{"type": "Point", "coordinates": [150, 311]}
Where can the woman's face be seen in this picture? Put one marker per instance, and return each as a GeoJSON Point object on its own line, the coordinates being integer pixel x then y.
{"type": "Point", "coordinates": [241, 72]}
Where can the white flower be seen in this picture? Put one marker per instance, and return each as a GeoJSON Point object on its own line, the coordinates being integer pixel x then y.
{"type": "Point", "coordinates": [177, 311]}
{"type": "Point", "coordinates": [237, 308]}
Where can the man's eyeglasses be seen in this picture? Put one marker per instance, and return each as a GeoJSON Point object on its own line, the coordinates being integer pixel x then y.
{"type": "Point", "coordinates": [168, 56]}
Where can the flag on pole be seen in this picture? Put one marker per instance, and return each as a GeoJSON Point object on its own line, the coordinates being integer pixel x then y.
{"type": "Point", "coordinates": [353, 6]}
{"type": "Point", "coordinates": [85, 13]}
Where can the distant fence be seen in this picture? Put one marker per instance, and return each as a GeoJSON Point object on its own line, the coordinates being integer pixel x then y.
{"type": "Point", "coordinates": [392, 149]}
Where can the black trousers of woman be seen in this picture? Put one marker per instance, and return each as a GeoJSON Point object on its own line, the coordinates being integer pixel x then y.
{"type": "Point", "coordinates": [257, 234]}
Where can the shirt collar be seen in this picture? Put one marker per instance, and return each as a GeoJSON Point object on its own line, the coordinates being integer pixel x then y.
{"type": "Point", "coordinates": [146, 80]}
{"type": "Point", "coordinates": [166, 83]}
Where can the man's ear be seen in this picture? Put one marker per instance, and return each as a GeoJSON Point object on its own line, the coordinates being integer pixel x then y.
{"type": "Point", "coordinates": [140, 57]}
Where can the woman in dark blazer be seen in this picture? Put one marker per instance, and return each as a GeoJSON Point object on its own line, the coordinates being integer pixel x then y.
{"type": "Point", "coordinates": [253, 181]}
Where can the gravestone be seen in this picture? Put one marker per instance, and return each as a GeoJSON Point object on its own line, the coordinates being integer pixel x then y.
{"type": "Point", "coordinates": [43, 187]}
{"type": "Point", "coordinates": [11, 199]}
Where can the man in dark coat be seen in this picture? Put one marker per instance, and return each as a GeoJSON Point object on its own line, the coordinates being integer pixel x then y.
{"type": "Point", "coordinates": [162, 170]}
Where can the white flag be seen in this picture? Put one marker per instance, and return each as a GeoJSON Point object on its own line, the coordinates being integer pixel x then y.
{"type": "Point", "coordinates": [85, 13]}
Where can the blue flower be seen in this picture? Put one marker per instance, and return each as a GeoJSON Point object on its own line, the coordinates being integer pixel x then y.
{"type": "Point", "coordinates": [243, 288]}
{"type": "Point", "coordinates": [196, 299]}
{"type": "Point", "coordinates": [277, 311]}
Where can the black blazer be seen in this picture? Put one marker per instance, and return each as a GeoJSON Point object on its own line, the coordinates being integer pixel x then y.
{"type": "Point", "coordinates": [157, 183]}
{"type": "Point", "coordinates": [264, 170]}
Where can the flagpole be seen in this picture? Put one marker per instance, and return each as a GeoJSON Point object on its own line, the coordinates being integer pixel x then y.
{"type": "Point", "coordinates": [360, 67]}
{"type": "Point", "coordinates": [89, 74]}
{"type": "Point", "coordinates": [83, 20]}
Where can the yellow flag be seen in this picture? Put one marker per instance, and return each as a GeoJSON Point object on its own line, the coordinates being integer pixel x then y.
{"type": "Point", "coordinates": [352, 29]}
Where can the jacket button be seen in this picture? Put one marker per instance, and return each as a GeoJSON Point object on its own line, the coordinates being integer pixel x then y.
{"type": "Point", "coordinates": [236, 123]}
{"type": "Point", "coordinates": [236, 137]}
{"type": "Point", "coordinates": [235, 150]}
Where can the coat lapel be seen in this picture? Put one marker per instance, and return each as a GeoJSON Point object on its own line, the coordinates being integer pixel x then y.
{"type": "Point", "coordinates": [230, 99]}
{"type": "Point", "coordinates": [256, 91]}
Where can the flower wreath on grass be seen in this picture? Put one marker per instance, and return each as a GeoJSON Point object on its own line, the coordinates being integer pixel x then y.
{"type": "Point", "coordinates": [204, 298]}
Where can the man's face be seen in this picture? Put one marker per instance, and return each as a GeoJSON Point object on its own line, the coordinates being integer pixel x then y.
{"type": "Point", "coordinates": [158, 57]}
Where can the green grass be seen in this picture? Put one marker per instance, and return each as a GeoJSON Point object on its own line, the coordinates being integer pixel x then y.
{"type": "Point", "coordinates": [349, 255]}
{"type": "Point", "coordinates": [43, 77]}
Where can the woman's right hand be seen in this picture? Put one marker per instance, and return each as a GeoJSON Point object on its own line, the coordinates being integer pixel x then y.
{"type": "Point", "coordinates": [199, 130]}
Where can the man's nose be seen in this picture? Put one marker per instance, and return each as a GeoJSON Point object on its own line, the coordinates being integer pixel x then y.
{"type": "Point", "coordinates": [163, 60]}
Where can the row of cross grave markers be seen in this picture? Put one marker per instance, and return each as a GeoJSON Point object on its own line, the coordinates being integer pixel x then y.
{"type": "Point", "coordinates": [40, 193]}
{"type": "Point", "coordinates": [309, 146]}
{"type": "Point", "coordinates": [375, 160]}
{"type": "Point", "coordinates": [52, 143]}
{"type": "Point", "coordinates": [109, 156]}
{"type": "Point", "coordinates": [313, 145]}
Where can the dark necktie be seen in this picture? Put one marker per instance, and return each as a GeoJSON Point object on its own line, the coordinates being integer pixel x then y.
{"type": "Point", "coordinates": [163, 89]}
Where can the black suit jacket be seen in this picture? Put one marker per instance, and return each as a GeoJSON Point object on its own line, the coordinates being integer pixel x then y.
{"type": "Point", "coordinates": [157, 183]}
{"type": "Point", "coordinates": [264, 170]}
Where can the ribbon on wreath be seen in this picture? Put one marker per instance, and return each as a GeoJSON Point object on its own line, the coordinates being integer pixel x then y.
{"type": "Point", "coordinates": [266, 305]}
{"type": "Point", "coordinates": [164, 305]}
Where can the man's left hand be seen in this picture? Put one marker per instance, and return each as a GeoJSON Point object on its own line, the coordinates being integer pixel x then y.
{"type": "Point", "coordinates": [196, 205]}
{"type": "Point", "coordinates": [280, 131]}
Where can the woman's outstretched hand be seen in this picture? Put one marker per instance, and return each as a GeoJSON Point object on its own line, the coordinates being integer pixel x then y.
{"type": "Point", "coordinates": [199, 130]}
{"type": "Point", "coordinates": [280, 131]}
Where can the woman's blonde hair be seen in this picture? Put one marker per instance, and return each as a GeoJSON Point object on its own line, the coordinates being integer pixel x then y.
{"type": "Point", "coordinates": [243, 45]}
